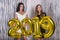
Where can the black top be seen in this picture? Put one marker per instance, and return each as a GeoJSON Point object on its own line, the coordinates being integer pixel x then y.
{"type": "Point", "coordinates": [41, 29]}
{"type": "Point", "coordinates": [41, 15]}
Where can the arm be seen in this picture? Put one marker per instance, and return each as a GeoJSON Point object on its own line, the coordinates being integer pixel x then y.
{"type": "Point", "coordinates": [26, 15]}
{"type": "Point", "coordinates": [16, 16]}
{"type": "Point", "coordinates": [15, 24]}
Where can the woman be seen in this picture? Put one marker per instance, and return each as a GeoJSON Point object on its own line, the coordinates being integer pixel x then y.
{"type": "Point", "coordinates": [39, 13]}
{"type": "Point", "coordinates": [20, 14]}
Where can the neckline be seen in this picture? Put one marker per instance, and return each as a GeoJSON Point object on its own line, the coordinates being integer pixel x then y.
{"type": "Point", "coordinates": [21, 14]}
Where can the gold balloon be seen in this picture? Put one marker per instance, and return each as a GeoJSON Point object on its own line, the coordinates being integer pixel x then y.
{"type": "Point", "coordinates": [27, 26]}
{"type": "Point", "coordinates": [47, 24]}
{"type": "Point", "coordinates": [33, 25]}
{"type": "Point", "coordinates": [15, 25]}
{"type": "Point", "coordinates": [14, 22]}
{"type": "Point", "coordinates": [37, 33]}
{"type": "Point", "coordinates": [13, 32]}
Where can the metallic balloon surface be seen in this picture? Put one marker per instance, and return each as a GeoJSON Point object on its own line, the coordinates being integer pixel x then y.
{"type": "Point", "coordinates": [47, 24]}
{"type": "Point", "coordinates": [37, 33]}
{"type": "Point", "coordinates": [28, 27]}
{"type": "Point", "coordinates": [31, 26]}
{"type": "Point", "coordinates": [15, 26]}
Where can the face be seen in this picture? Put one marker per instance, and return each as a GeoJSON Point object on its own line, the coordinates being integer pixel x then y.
{"type": "Point", "coordinates": [21, 7]}
{"type": "Point", "coordinates": [39, 8]}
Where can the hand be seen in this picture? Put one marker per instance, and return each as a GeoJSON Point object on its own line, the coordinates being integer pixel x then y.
{"type": "Point", "coordinates": [25, 38]}
{"type": "Point", "coordinates": [25, 24]}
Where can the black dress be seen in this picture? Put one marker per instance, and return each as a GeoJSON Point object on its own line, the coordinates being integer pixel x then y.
{"type": "Point", "coordinates": [40, 16]}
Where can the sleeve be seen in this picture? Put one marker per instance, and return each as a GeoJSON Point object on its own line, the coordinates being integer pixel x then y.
{"type": "Point", "coordinates": [45, 14]}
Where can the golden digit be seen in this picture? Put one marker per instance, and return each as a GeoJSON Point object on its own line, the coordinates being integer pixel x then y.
{"type": "Point", "coordinates": [17, 29]}
{"type": "Point", "coordinates": [37, 33]}
{"type": "Point", "coordinates": [13, 22]}
{"type": "Point", "coordinates": [47, 24]}
{"type": "Point", "coordinates": [15, 25]}
{"type": "Point", "coordinates": [27, 30]}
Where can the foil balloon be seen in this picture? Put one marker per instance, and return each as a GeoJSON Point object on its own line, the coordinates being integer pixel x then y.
{"type": "Point", "coordinates": [48, 25]}
{"type": "Point", "coordinates": [15, 28]}
{"type": "Point", "coordinates": [27, 26]}
{"type": "Point", "coordinates": [13, 22]}
{"type": "Point", "coordinates": [37, 33]}
{"type": "Point", "coordinates": [31, 26]}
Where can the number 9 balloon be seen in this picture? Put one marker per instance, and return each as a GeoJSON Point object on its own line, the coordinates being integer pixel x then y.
{"type": "Point", "coordinates": [47, 24]}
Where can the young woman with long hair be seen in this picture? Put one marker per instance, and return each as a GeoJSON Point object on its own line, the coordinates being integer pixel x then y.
{"type": "Point", "coordinates": [40, 14]}
{"type": "Point", "coordinates": [20, 15]}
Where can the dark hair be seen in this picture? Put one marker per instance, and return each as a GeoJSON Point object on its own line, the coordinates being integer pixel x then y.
{"type": "Point", "coordinates": [37, 7]}
{"type": "Point", "coordinates": [18, 7]}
